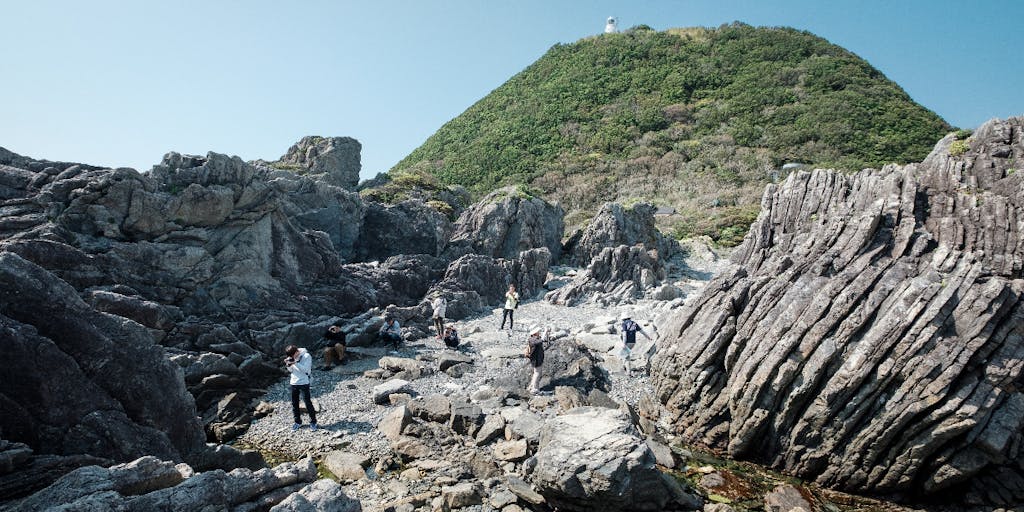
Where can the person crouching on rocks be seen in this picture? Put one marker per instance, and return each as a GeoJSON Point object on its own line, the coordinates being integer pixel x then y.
{"type": "Point", "coordinates": [335, 351]}
{"type": "Point", "coordinates": [300, 365]}
{"type": "Point", "coordinates": [511, 303]}
{"type": "Point", "coordinates": [391, 332]}
{"type": "Point", "coordinates": [451, 337]}
{"type": "Point", "coordinates": [440, 306]}
{"type": "Point", "coordinates": [535, 352]}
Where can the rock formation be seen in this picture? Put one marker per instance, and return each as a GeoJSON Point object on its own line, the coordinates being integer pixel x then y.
{"type": "Point", "coordinates": [870, 334]}
{"type": "Point", "coordinates": [507, 222]}
{"type": "Point", "coordinates": [616, 225]}
{"type": "Point", "coordinates": [333, 159]}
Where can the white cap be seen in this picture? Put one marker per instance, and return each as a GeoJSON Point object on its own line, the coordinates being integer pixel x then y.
{"type": "Point", "coordinates": [535, 330]}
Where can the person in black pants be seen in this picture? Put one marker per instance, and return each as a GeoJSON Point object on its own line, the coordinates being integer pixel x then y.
{"type": "Point", "coordinates": [511, 303]}
{"type": "Point", "coordinates": [300, 365]}
{"type": "Point", "coordinates": [391, 332]}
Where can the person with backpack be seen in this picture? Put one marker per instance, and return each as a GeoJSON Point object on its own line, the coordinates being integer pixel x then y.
{"type": "Point", "coordinates": [440, 306]}
{"type": "Point", "coordinates": [535, 353]}
{"type": "Point", "coordinates": [627, 332]}
{"type": "Point", "coordinates": [511, 303]}
{"type": "Point", "coordinates": [300, 365]}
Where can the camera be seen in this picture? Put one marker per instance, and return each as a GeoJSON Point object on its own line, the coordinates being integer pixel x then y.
{"type": "Point", "coordinates": [289, 360]}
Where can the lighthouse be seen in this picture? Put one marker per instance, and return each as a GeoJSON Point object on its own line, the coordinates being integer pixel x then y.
{"type": "Point", "coordinates": [611, 26]}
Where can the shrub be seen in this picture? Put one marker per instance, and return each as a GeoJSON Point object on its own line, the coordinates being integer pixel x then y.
{"type": "Point", "coordinates": [958, 147]}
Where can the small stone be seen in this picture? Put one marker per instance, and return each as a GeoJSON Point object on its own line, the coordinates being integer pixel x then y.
{"type": "Point", "coordinates": [381, 392]}
{"type": "Point", "coordinates": [461, 495]}
{"type": "Point", "coordinates": [510, 450]}
{"type": "Point", "coordinates": [786, 498]}
{"type": "Point", "coordinates": [411, 474]}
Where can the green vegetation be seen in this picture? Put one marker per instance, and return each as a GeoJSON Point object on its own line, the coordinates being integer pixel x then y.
{"type": "Point", "coordinates": [958, 147]}
{"type": "Point", "coordinates": [692, 117]}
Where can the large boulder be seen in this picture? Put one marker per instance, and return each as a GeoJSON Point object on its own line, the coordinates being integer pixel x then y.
{"type": "Point", "coordinates": [869, 336]}
{"type": "Point", "coordinates": [591, 459]}
{"type": "Point", "coordinates": [507, 222]}
{"type": "Point", "coordinates": [616, 225]}
{"type": "Point", "coordinates": [335, 160]}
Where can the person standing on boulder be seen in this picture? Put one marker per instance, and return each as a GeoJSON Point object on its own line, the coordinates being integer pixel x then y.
{"type": "Point", "coordinates": [628, 332]}
{"type": "Point", "coordinates": [535, 352]}
{"type": "Point", "coordinates": [300, 365]}
{"type": "Point", "coordinates": [335, 351]}
{"type": "Point", "coordinates": [511, 303]}
{"type": "Point", "coordinates": [440, 306]}
{"type": "Point", "coordinates": [391, 332]}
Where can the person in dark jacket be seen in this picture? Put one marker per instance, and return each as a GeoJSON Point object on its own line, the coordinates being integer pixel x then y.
{"type": "Point", "coordinates": [451, 337]}
{"type": "Point", "coordinates": [335, 351]}
{"type": "Point", "coordinates": [535, 352]}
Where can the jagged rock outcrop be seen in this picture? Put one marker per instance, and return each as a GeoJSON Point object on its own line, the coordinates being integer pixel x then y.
{"type": "Point", "coordinates": [77, 381]}
{"type": "Point", "coordinates": [410, 227]}
{"type": "Point", "coordinates": [507, 222]}
{"type": "Point", "coordinates": [871, 334]}
{"type": "Point", "coordinates": [336, 160]}
{"type": "Point", "coordinates": [591, 459]}
{"type": "Point", "coordinates": [473, 282]}
{"type": "Point", "coordinates": [616, 225]}
{"type": "Point", "coordinates": [616, 275]}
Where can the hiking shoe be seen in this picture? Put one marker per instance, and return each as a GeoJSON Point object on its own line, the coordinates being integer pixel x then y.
{"type": "Point", "coordinates": [313, 426]}
{"type": "Point", "coordinates": [296, 426]}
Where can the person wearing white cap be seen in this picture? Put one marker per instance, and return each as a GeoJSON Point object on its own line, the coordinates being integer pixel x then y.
{"type": "Point", "coordinates": [628, 333]}
{"type": "Point", "coordinates": [535, 352]}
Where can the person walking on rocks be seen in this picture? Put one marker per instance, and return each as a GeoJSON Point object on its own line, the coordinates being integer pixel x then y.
{"type": "Point", "coordinates": [335, 351]}
{"type": "Point", "coordinates": [391, 332]}
{"type": "Point", "coordinates": [511, 303]}
{"type": "Point", "coordinates": [628, 332]}
{"type": "Point", "coordinates": [451, 337]}
{"type": "Point", "coordinates": [535, 352]}
{"type": "Point", "coordinates": [440, 306]}
{"type": "Point", "coordinates": [300, 365]}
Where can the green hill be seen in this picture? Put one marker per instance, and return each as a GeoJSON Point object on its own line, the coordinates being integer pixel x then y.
{"type": "Point", "coordinates": [697, 119]}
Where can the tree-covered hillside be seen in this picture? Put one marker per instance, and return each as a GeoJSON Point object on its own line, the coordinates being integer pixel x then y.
{"type": "Point", "coordinates": [698, 119]}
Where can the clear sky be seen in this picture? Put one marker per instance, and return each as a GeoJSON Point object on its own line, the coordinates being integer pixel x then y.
{"type": "Point", "coordinates": [120, 83]}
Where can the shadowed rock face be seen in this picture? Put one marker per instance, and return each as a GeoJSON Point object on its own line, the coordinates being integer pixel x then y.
{"type": "Point", "coordinates": [871, 334]}
{"type": "Point", "coordinates": [505, 223]}
{"type": "Point", "coordinates": [77, 381]}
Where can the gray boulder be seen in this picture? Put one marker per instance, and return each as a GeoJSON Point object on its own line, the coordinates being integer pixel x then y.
{"type": "Point", "coordinates": [591, 459]}
{"type": "Point", "coordinates": [866, 333]}
{"type": "Point", "coordinates": [410, 227]}
{"type": "Point", "coordinates": [474, 283]}
{"type": "Point", "coordinates": [620, 274]}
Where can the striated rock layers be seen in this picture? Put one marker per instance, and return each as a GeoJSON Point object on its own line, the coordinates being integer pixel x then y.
{"type": "Point", "coordinates": [871, 334]}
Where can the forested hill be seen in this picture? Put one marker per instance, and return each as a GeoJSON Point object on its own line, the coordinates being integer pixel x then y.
{"type": "Point", "coordinates": [697, 119]}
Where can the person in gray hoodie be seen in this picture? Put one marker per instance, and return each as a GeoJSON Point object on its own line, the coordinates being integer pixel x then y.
{"type": "Point", "coordinates": [300, 365]}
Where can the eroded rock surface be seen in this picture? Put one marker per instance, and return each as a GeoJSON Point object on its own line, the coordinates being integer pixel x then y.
{"type": "Point", "coordinates": [870, 336]}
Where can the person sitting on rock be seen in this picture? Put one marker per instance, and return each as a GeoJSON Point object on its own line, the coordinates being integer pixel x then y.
{"type": "Point", "coordinates": [451, 337]}
{"type": "Point", "coordinates": [628, 332]}
{"type": "Point", "coordinates": [511, 303]}
{"type": "Point", "coordinates": [391, 332]}
{"type": "Point", "coordinates": [535, 352]}
{"type": "Point", "coordinates": [300, 365]}
{"type": "Point", "coordinates": [335, 351]}
{"type": "Point", "coordinates": [440, 306]}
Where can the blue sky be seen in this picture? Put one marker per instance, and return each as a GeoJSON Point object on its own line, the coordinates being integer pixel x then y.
{"type": "Point", "coordinates": [120, 83]}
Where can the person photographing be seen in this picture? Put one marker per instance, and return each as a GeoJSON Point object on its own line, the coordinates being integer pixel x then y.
{"type": "Point", "coordinates": [300, 365]}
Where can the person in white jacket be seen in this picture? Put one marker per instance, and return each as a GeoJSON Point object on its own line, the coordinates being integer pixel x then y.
{"type": "Point", "coordinates": [440, 306]}
{"type": "Point", "coordinates": [300, 364]}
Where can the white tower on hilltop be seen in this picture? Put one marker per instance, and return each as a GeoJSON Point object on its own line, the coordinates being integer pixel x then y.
{"type": "Point", "coordinates": [612, 26]}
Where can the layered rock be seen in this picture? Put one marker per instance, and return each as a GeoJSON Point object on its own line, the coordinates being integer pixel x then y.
{"type": "Point", "coordinates": [507, 222]}
{"type": "Point", "coordinates": [616, 275]}
{"type": "Point", "coordinates": [474, 283]}
{"type": "Point", "coordinates": [870, 335]}
{"type": "Point", "coordinates": [410, 227]}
